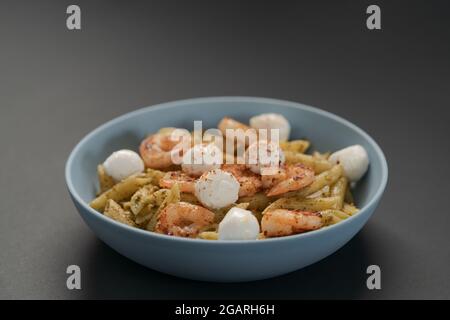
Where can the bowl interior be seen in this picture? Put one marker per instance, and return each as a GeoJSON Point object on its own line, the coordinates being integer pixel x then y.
{"type": "Point", "coordinates": [326, 132]}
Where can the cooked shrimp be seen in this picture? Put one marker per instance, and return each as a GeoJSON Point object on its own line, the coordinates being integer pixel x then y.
{"type": "Point", "coordinates": [287, 178]}
{"type": "Point", "coordinates": [250, 183]}
{"type": "Point", "coordinates": [184, 181]}
{"type": "Point", "coordinates": [273, 178]}
{"type": "Point", "coordinates": [241, 140]}
{"type": "Point", "coordinates": [183, 220]}
{"type": "Point", "coordinates": [282, 222]}
{"type": "Point", "coordinates": [229, 123]}
{"type": "Point", "coordinates": [157, 149]}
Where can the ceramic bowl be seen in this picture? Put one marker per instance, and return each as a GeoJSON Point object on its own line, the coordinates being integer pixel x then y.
{"type": "Point", "coordinates": [223, 261]}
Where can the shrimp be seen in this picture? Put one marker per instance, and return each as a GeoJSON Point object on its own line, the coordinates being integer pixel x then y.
{"type": "Point", "coordinates": [229, 123]}
{"type": "Point", "coordinates": [287, 178]}
{"type": "Point", "coordinates": [229, 127]}
{"type": "Point", "coordinates": [157, 149]}
{"type": "Point", "coordinates": [283, 222]}
{"type": "Point", "coordinates": [184, 181]}
{"type": "Point", "coordinates": [250, 183]}
{"type": "Point", "coordinates": [184, 220]}
{"type": "Point", "coordinates": [273, 178]}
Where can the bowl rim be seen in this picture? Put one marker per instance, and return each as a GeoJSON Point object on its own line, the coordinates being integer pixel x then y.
{"type": "Point", "coordinates": [202, 100]}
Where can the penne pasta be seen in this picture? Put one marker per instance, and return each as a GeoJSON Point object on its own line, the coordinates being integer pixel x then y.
{"type": "Point", "coordinates": [162, 199]}
{"type": "Point", "coordinates": [257, 202]}
{"type": "Point", "coordinates": [121, 191]}
{"type": "Point", "coordinates": [321, 156]}
{"type": "Point", "coordinates": [332, 216]}
{"type": "Point", "coordinates": [106, 182]}
{"type": "Point", "coordinates": [314, 205]}
{"type": "Point", "coordinates": [318, 165]}
{"type": "Point", "coordinates": [326, 178]}
{"type": "Point", "coordinates": [338, 189]}
{"type": "Point", "coordinates": [114, 211]}
{"type": "Point", "coordinates": [350, 209]}
{"type": "Point", "coordinates": [142, 198]}
{"type": "Point", "coordinates": [209, 235]}
{"type": "Point", "coordinates": [295, 145]}
{"type": "Point", "coordinates": [348, 195]}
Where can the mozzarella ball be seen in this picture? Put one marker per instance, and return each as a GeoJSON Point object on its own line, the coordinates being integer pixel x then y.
{"type": "Point", "coordinates": [201, 158]}
{"type": "Point", "coordinates": [239, 224]}
{"type": "Point", "coordinates": [263, 155]}
{"type": "Point", "coordinates": [272, 121]}
{"type": "Point", "coordinates": [354, 159]}
{"type": "Point", "coordinates": [122, 164]}
{"type": "Point", "coordinates": [217, 189]}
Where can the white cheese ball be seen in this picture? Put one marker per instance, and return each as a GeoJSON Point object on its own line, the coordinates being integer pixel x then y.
{"type": "Point", "coordinates": [239, 224]}
{"type": "Point", "coordinates": [201, 158]}
{"type": "Point", "coordinates": [262, 155]}
{"type": "Point", "coordinates": [354, 159]}
{"type": "Point", "coordinates": [122, 164]}
{"type": "Point", "coordinates": [272, 121]}
{"type": "Point", "coordinates": [217, 189]}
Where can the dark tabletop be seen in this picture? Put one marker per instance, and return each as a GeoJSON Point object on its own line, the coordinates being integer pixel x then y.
{"type": "Point", "coordinates": [57, 85]}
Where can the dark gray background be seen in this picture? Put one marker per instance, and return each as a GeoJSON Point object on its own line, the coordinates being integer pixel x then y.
{"type": "Point", "coordinates": [57, 85]}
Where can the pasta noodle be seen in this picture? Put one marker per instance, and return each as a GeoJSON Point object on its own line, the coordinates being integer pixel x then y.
{"type": "Point", "coordinates": [295, 145]}
{"type": "Point", "coordinates": [116, 212]}
{"type": "Point", "coordinates": [318, 165]}
{"type": "Point", "coordinates": [106, 182]}
{"type": "Point", "coordinates": [121, 191]}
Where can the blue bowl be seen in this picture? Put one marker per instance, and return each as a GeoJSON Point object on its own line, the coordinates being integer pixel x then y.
{"type": "Point", "coordinates": [222, 261]}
